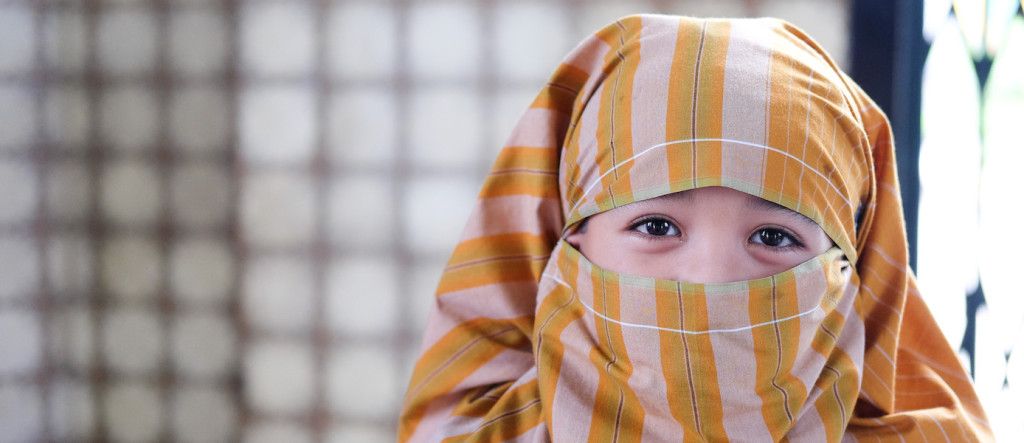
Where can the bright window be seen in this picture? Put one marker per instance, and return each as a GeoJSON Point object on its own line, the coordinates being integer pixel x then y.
{"type": "Point", "coordinates": [971, 209]}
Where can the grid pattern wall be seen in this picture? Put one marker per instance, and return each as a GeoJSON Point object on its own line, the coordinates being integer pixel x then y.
{"type": "Point", "coordinates": [224, 220]}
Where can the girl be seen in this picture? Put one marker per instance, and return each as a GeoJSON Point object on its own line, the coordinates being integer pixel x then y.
{"type": "Point", "coordinates": [694, 233]}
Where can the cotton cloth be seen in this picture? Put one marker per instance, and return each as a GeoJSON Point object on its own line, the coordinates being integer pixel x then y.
{"type": "Point", "coordinates": [529, 341]}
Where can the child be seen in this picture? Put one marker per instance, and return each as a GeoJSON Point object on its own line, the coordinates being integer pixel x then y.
{"type": "Point", "coordinates": [693, 233]}
{"type": "Point", "coordinates": [704, 235]}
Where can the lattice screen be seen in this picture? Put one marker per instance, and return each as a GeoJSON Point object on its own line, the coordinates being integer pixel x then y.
{"type": "Point", "coordinates": [223, 220]}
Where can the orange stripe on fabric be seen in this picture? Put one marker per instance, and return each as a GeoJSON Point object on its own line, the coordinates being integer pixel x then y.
{"type": "Point", "coordinates": [701, 359]}
{"type": "Point", "coordinates": [695, 104]}
{"type": "Point", "coordinates": [770, 354]}
{"type": "Point", "coordinates": [544, 185]}
{"type": "Point", "coordinates": [518, 411]}
{"type": "Point", "coordinates": [538, 158]}
{"type": "Point", "coordinates": [495, 270]}
{"type": "Point", "coordinates": [574, 145]}
{"type": "Point", "coordinates": [606, 157]}
{"type": "Point", "coordinates": [557, 315]}
{"type": "Point", "coordinates": [767, 118]}
{"type": "Point", "coordinates": [493, 259]}
{"type": "Point", "coordinates": [489, 338]}
{"type": "Point", "coordinates": [880, 301]}
{"type": "Point", "coordinates": [614, 130]}
{"type": "Point", "coordinates": [681, 101]}
{"type": "Point", "coordinates": [487, 248]}
{"type": "Point", "coordinates": [822, 194]}
{"type": "Point", "coordinates": [617, 413]}
{"type": "Point", "coordinates": [481, 401]}
{"type": "Point", "coordinates": [669, 307]}
{"type": "Point", "coordinates": [708, 101]}
{"type": "Point", "coordinates": [838, 391]}
{"type": "Point", "coordinates": [523, 170]}
{"type": "Point", "coordinates": [620, 127]}
{"type": "Point", "coordinates": [563, 90]}
{"type": "Point", "coordinates": [929, 380]}
{"type": "Point", "coordinates": [787, 306]}
{"type": "Point", "coordinates": [573, 391]}
{"type": "Point", "coordinates": [456, 356]}
{"type": "Point", "coordinates": [676, 361]}
{"type": "Point", "coordinates": [785, 129]}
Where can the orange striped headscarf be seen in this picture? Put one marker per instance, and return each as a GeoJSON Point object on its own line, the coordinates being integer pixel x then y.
{"type": "Point", "coordinates": [529, 341]}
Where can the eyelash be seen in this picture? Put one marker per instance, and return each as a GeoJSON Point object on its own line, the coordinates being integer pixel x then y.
{"type": "Point", "coordinates": [794, 241]}
{"type": "Point", "coordinates": [636, 225]}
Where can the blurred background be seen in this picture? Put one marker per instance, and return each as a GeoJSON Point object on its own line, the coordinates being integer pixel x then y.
{"type": "Point", "coordinates": [224, 220]}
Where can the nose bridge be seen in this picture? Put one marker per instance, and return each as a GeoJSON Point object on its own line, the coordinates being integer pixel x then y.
{"type": "Point", "coordinates": [710, 259]}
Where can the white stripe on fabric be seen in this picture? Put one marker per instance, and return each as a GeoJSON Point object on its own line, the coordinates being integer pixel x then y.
{"type": "Point", "coordinates": [939, 425]}
{"type": "Point", "coordinates": [597, 181]}
{"type": "Point", "coordinates": [963, 433]}
{"type": "Point", "coordinates": [958, 374]}
{"type": "Point", "coordinates": [888, 259]}
{"type": "Point", "coordinates": [978, 420]}
{"type": "Point", "coordinates": [890, 426]}
{"type": "Point", "coordinates": [816, 309]}
{"type": "Point", "coordinates": [868, 369]}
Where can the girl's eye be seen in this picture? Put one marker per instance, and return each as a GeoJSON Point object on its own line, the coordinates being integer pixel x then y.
{"type": "Point", "coordinates": [774, 238]}
{"type": "Point", "coordinates": [656, 227]}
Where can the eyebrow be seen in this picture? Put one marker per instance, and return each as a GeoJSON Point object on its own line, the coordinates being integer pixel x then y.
{"type": "Point", "coordinates": [762, 204]}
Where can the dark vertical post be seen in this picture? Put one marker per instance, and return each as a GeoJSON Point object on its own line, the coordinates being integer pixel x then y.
{"type": "Point", "coordinates": [908, 66]}
{"type": "Point", "coordinates": [887, 58]}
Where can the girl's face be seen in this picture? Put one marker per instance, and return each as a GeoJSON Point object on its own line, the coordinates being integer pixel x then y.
{"type": "Point", "coordinates": [704, 235]}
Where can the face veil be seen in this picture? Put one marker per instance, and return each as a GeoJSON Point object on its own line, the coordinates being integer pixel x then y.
{"type": "Point", "coordinates": [636, 358]}
{"type": "Point", "coordinates": [648, 106]}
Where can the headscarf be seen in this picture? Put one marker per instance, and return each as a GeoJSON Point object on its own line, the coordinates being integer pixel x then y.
{"type": "Point", "coordinates": [529, 341]}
